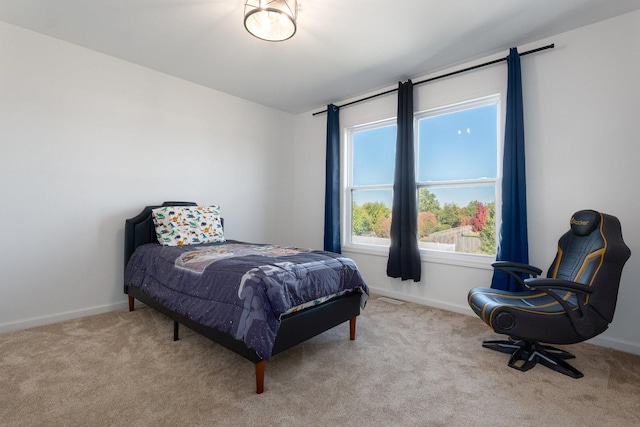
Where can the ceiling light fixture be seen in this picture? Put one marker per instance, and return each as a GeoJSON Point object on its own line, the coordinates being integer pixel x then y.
{"type": "Point", "coordinates": [271, 20]}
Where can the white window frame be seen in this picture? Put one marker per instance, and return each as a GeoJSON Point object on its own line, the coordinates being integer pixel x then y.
{"type": "Point", "coordinates": [449, 109]}
{"type": "Point", "coordinates": [349, 187]}
{"type": "Point", "coordinates": [455, 258]}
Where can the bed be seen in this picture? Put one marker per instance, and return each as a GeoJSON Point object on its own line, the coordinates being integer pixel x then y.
{"type": "Point", "coordinates": [255, 300]}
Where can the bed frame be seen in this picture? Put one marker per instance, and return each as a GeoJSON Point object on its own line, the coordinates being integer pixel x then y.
{"type": "Point", "coordinates": [294, 328]}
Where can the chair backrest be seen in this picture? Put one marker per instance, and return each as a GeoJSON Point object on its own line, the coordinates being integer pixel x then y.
{"type": "Point", "coordinates": [593, 253]}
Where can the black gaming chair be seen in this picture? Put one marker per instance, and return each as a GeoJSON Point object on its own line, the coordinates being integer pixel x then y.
{"type": "Point", "coordinates": [575, 302]}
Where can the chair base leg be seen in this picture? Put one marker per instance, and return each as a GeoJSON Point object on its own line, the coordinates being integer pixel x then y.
{"type": "Point", "coordinates": [526, 354]}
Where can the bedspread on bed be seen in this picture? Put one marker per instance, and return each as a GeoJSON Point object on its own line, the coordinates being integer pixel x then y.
{"type": "Point", "coordinates": [239, 288]}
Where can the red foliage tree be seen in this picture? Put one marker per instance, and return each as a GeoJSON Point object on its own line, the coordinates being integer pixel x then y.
{"type": "Point", "coordinates": [478, 220]}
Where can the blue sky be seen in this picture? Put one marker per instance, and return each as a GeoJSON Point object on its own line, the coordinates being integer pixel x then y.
{"type": "Point", "coordinates": [459, 145]}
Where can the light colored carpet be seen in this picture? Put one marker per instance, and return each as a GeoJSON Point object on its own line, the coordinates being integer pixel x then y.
{"type": "Point", "coordinates": [410, 365]}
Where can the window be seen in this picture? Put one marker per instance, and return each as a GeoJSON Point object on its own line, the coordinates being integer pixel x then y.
{"type": "Point", "coordinates": [457, 165]}
{"type": "Point", "coordinates": [456, 150]}
{"type": "Point", "coordinates": [370, 192]}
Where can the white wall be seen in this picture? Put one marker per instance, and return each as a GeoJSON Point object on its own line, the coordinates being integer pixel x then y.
{"type": "Point", "coordinates": [582, 101]}
{"type": "Point", "coordinates": [87, 141]}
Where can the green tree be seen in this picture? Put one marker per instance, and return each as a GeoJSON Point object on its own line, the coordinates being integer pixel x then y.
{"type": "Point", "coordinates": [427, 201]}
{"type": "Point", "coordinates": [450, 214]}
{"type": "Point", "coordinates": [472, 208]}
{"type": "Point", "coordinates": [371, 218]}
{"type": "Point", "coordinates": [488, 233]}
{"type": "Point", "coordinates": [361, 222]}
{"type": "Point", "coordinates": [376, 210]}
{"type": "Point", "coordinates": [378, 214]}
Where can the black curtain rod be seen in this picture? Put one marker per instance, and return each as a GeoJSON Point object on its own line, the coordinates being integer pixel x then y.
{"type": "Point", "coordinates": [550, 46]}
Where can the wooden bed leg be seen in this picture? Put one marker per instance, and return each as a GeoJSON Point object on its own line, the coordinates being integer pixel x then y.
{"type": "Point", "coordinates": [176, 327]}
{"type": "Point", "coordinates": [260, 376]}
{"type": "Point", "coordinates": [131, 300]}
{"type": "Point", "coordinates": [352, 328]}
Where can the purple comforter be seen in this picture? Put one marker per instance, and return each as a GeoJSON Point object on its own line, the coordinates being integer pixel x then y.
{"type": "Point", "coordinates": [239, 288]}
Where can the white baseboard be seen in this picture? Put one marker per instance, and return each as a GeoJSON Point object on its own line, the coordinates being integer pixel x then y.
{"type": "Point", "coordinates": [601, 340]}
{"type": "Point", "coordinates": [60, 317]}
{"type": "Point", "coordinates": [616, 344]}
{"type": "Point", "coordinates": [423, 301]}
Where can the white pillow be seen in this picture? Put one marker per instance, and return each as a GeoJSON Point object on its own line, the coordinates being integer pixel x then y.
{"type": "Point", "coordinates": [187, 225]}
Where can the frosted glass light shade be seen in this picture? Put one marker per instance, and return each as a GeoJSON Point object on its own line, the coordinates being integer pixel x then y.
{"type": "Point", "coordinates": [271, 20]}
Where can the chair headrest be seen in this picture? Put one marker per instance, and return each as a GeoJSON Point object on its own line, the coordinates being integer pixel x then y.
{"type": "Point", "coordinates": [584, 222]}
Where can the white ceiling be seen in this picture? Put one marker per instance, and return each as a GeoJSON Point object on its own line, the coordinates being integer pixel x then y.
{"type": "Point", "coordinates": [342, 48]}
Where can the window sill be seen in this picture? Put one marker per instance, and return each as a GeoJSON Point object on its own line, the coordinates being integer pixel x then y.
{"type": "Point", "coordinates": [439, 257]}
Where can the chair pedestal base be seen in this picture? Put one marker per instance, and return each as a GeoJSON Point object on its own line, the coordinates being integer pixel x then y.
{"type": "Point", "coordinates": [526, 354]}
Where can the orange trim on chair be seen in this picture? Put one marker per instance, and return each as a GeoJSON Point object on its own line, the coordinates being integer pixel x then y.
{"type": "Point", "coordinates": [558, 258]}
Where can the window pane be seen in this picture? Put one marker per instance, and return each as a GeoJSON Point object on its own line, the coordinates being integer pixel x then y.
{"type": "Point", "coordinates": [371, 216]}
{"type": "Point", "coordinates": [458, 145]}
{"type": "Point", "coordinates": [374, 153]}
{"type": "Point", "coordinates": [458, 218]}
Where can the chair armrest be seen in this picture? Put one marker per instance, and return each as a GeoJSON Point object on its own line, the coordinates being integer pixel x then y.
{"type": "Point", "coordinates": [516, 267]}
{"type": "Point", "coordinates": [581, 323]}
{"type": "Point", "coordinates": [515, 270]}
{"type": "Point", "coordinates": [559, 284]}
